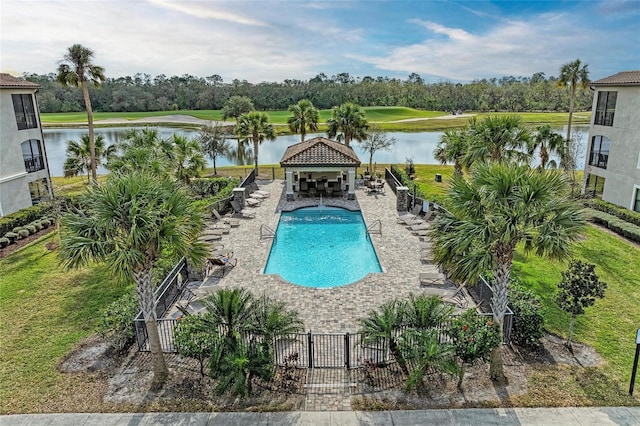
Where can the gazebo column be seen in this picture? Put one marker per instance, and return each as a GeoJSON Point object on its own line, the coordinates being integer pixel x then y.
{"type": "Point", "coordinates": [402, 200]}
{"type": "Point", "coordinates": [239, 195]}
{"type": "Point", "coordinates": [351, 195]}
{"type": "Point", "coordinates": [289, 179]}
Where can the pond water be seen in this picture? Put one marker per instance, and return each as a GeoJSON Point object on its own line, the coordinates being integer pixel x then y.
{"type": "Point", "coordinates": [418, 146]}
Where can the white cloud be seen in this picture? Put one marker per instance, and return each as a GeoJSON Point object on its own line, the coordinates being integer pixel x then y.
{"type": "Point", "coordinates": [511, 47]}
{"type": "Point", "coordinates": [204, 10]}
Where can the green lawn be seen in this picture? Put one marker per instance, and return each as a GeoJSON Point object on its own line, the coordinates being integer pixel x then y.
{"type": "Point", "coordinates": [45, 312]}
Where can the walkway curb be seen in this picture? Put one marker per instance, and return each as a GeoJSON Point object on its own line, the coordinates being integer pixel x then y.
{"type": "Point", "coordinates": [472, 416]}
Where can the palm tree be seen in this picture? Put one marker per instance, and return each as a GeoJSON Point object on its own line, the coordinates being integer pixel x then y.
{"type": "Point", "coordinates": [255, 125]}
{"type": "Point", "coordinates": [231, 309]}
{"type": "Point", "coordinates": [349, 119]}
{"type": "Point", "coordinates": [141, 150]}
{"type": "Point", "coordinates": [452, 148]}
{"type": "Point", "coordinates": [548, 141]}
{"type": "Point", "coordinates": [187, 158]}
{"type": "Point", "coordinates": [573, 75]}
{"type": "Point", "coordinates": [79, 157]}
{"type": "Point", "coordinates": [424, 312]}
{"type": "Point", "coordinates": [501, 206]}
{"type": "Point", "coordinates": [127, 223]}
{"type": "Point", "coordinates": [77, 69]}
{"type": "Point", "coordinates": [305, 116]}
{"type": "Point", "coordinates": [498, 138]}
{"type": "Point", "coordinates": [383, 326]}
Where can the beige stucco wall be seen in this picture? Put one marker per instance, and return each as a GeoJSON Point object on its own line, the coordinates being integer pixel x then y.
{"type": "Point", "coordinates": [14, 180]}
{"type": "Point", "coordinates": [622, 175]}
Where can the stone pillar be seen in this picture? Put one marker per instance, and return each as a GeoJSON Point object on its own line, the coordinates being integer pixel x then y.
{"type": "Point", "coordinates": [239, 195]}
{"type": "Point", "coordinates": [289, 179]}
{"type": "Point", "coordinates": [351, 195]}
{"type": "Point", "coordinates": [402, 200]}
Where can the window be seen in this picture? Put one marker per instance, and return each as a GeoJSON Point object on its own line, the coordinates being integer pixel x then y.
{"type": "Point", "coordinates": [32, 155]}
{"type": "Point", "coordinates": [605, 108]}
{"type": "Point", "coordinates": [39, 191]}
{"type": "Point", "coordinates": [595, 186]}
{"type": "Point", "coordinates": [25, 111]}
{"type": "Point", "coordinates": [636, 205]}
{"type": "Point", "coordinates": [599, 154]}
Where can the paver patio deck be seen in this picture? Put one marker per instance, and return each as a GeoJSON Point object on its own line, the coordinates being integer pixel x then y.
{"type": "Point", "coordinates": [338, 309]}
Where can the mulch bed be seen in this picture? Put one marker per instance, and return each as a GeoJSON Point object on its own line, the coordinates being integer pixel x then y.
{"type": "Point", "coordinates": [25, 241]}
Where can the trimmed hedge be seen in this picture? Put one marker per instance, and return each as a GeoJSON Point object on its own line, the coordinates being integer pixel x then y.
{"type": "Point", "coordinates": [619, 226]}
{"type": "Point", "coordinates": [528, 316]}
{"type": "Point", "coordinates": [23, 217]}
{"type": "Point", "coordinates": [617, 211]}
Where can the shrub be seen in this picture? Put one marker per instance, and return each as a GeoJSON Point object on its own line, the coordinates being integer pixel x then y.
{"type": "Point", "coordinates": [4, 242]}
{"type": "Point", "coordinates": [23, 217]}
{"type": "Point", "coordinates": [617, 211]}
{"type": "Point", "coordinates": [38, 224]}
{"type": "Point", "coordinates": [528, 316]}
{"type": "Point", "coordinates": [116, 323]}
{"type": "Point", "coordinates": [619, 226]}
{"type": "Point", "coordinates": [31, 229]}
{"type": "Point", "coordinates": [11, 236]}
{"type": "Point", "coordinates": [45, 223]}
{"type": "Point", "coordinates": [17, 229]}
{"type": "Point", "coordinates": [212, 186]}
{"type": "Point", "coordinates": [23, 233]}
{"type": "Point", "coordinates": [474, 336]}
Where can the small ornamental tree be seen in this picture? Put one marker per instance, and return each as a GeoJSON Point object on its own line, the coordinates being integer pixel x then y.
{"type": "Point", "coordinates": [473, 337]}
{"type": "Point", "coordinates": [194, 338]}
{"type": "Point", "coordinates": [579, 288]}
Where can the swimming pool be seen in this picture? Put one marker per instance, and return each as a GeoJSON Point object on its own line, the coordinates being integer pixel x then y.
{"type": "Point", "coordinates": [322, 248]}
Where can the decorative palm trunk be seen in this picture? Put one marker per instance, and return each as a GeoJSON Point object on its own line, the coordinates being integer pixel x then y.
{"type": "Point", "coordinates": [457, 168]}
{"type": "Point", "coordinates": [347, 139]}
{"type": "Point", "coordinates": [92, 141]}
{"type": "Point", "coordinates": [256, 144]}
{"type": "Point", "coordinates": [544, 156]}
{"type": "Point", "coordinates": [499, 301]}
{"type": "Point", "coordinates": [571, 102]}
{"type": "Point", "coordinates": [395, 350]}
{"type": "Point", "coordinates": [147, 301]}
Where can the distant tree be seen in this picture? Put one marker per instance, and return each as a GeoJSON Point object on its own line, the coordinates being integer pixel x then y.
{"type": "Point", "coordinates": [141, 150]}
{"type": "Point", "coordinates": [573, 75]}
{"type": "Point", "coordinates": [376, 140]}
{"type": "Point", "coordinates": [236, 106]}
{"type": "Point", "coordinates": [347, 122]}
{"type": "Point", "coordinates": [79, 157]}
{"type": "Point", "coordinates": [498, 138]}
{"type": "Point", "coordinates": [452, 147]}
{"type": "Point", "coordinates": [579, 288]}
{"type": "Point", "coordinates": [76, 69]}
{"type": "Point", "coordinates": [547, 141]}
{"type": "Point", "coordinates": [255, 125]}
{"type": "Point", "coordinates": [305, 117]}
{"type": "Point", "coordinates": [213, 142]}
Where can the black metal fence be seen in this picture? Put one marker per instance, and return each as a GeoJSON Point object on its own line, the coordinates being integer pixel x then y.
{"type": "Point", "coordinates": [165, 295]}
{"type": "Point", "coordinates": [482, 293]}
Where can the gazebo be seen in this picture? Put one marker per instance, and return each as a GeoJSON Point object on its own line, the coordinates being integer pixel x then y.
{"type": "Point", "coordinates": [318, 166]}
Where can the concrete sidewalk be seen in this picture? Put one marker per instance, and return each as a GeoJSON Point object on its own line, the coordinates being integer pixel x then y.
{"type": "Point", "coordinates": [472, 416]}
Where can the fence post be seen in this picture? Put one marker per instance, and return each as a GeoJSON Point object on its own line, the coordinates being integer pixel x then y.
{"type": "Point", "coordinates": [273, 173]}
{"type": "Point", "coordinates": [347, 354]}
{"type": "Point", "coordinates": [310, 349]}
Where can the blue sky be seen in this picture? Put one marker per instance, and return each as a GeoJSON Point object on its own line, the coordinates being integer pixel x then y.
{"type": "Point", "coordinates": [277, 40]}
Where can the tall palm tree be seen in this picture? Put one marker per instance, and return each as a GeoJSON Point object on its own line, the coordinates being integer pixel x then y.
{"type": "Point", "coordinates": [77, 69]}
{"type": "Point", "coordinates": [349, 119]}
{"type": "Point", "coordinates": [141, 150]}
{"type": "Point", "coordinates": [383, 326]}
{"type": "Point", "coordinates": [452, 148]}
{"type": "Point", "coordinates": [501, 206]}
{"type": "Point", "coordinates": [255, 125]}
{"type": "Point", "coordinates": [187, 158]}
{"type": "Point", "coordinates": [548, 141]}
{"type": "Point", "coordinates": [573, 75]}
{"type": "Point", "coordinates": [79, 157]}
{"type": "Point", "coordinates": [498, 138]}
{"type": "Point", "coordinates": [127, 223]}
{"type": "Point", "coordinates": [305, 116]}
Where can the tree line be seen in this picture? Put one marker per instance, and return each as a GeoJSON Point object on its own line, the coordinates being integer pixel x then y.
{"type": "Point", "coordinates": [142, 92]}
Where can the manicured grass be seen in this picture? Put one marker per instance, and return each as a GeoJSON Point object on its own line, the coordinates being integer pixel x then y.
{"type": "Point", "coordinates": [610, 325]}
{"type": "Point", "coordinates": [45, 311]}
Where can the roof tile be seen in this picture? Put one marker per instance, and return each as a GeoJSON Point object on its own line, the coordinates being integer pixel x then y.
{"type": "Point", "coordinates": [319, 151]}
{"type": "Point", "coordinates": [8, 81]}
{"type": "Point", "coordinates": [624, 78]}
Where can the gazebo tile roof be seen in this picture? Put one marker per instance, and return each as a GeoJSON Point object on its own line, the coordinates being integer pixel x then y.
{"type": "Point", "coordinates": [624, 78]}
{"type": "Point", "coordinates": [319, 151]}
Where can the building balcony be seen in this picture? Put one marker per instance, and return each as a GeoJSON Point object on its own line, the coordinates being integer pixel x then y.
{"type": "Point", "coordinates": [33, 164]}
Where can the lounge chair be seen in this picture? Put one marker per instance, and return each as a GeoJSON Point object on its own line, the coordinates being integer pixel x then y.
{"type": "Point", "coordinates": [420, 227]}
{"type": "Point", "coordinates": [252, 202]}
{"type": "Point", "coordinates": [220, 263]}
{"type": "Point", "coordinates": [431, 278]}
{"type": "Point", "coordinates": [253, 187]}
{"type": "Point", "coordinates": [426, 256]}
{"type": "Point", "coordinates": [458, 298]}
{"type": "Point", "coordinates": [421, 232]}
{"type": "Point", "coordinates": [210, 237]}
{"type": "Point", "coordinates": [220, 227]}
{"type": "Point", "coordinates": [240, 211]}
{"type": "Point", "coordinates": [410, 217]}
{"type": "Point", "coordinates": [229, 221]}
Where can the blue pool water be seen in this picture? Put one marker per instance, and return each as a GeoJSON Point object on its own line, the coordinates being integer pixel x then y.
{"type": "Point", "coordinates": [322, 248]}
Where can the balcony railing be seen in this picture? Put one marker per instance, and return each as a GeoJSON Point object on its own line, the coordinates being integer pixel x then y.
{"type": "Point", "coordinates": [33, 164]}
{"type": "Point", "coordinates": [599, 159]}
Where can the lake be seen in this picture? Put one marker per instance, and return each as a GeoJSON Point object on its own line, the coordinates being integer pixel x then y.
{"type": "Point", "coordinates": [419, 146]}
